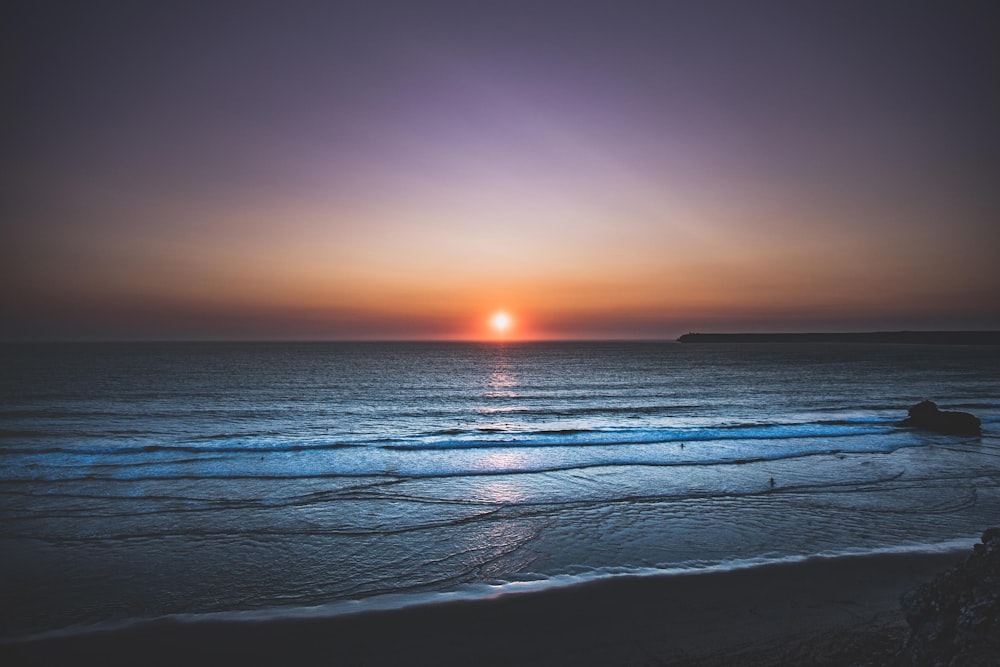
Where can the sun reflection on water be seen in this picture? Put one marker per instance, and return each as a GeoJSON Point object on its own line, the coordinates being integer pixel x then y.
{"type": "Point", "coordinates": [502, 382]}
{"type": "Point", "coordinates": [500, 394]}
{"type": "Point", "coordinates": [499, 491]}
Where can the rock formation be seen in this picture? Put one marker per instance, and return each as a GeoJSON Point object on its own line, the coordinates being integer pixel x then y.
{"type": "Point", "coordinates": [955, 619]}
{"type": "Point", "coordinates": [925, 415]}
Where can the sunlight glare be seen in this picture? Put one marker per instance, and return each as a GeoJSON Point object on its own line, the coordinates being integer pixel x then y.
{"type": "Point", "coordinates": [501, 322]}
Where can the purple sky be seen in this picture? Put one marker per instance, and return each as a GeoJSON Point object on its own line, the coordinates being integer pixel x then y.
{"type": "Point", "coordinates": [331, 170]}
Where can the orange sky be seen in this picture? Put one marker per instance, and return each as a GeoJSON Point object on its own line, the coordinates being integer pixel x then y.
{"type": "Point", "coordinates": [622, 175]}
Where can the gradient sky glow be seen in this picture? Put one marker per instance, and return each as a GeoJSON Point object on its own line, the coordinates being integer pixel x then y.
{"type": "Point", "coordinates": [402, 170]}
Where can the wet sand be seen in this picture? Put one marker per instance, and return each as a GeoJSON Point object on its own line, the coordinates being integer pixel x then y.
{"type": "Point", "coordinates": [825, 611]}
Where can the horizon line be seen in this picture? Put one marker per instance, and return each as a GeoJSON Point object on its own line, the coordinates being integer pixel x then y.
{"type": "Point", "coordinates": [491, 341]}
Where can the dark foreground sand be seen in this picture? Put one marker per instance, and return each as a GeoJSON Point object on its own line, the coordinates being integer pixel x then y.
{"type": "Point", "coordinates": [824, 611]}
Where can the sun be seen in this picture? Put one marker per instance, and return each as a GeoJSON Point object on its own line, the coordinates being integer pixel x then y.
{"type": "Point", "coordinates": [501, 321]}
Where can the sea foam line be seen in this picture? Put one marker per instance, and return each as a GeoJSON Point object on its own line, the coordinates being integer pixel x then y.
{"type": "Point", "coordinates": [488, 591]}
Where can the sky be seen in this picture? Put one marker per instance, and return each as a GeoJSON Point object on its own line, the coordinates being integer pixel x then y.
{"type": "Point", "coordinates": [404, 170]}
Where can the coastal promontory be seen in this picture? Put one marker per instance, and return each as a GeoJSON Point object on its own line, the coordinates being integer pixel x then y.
{"type": "Point", "coordinates": [897, 337]}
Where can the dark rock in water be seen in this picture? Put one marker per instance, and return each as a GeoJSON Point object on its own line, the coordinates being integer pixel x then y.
{"type": "Point", "coordinates": [925, 415]}
{"type": "Point", "coordinates": [955, 619]}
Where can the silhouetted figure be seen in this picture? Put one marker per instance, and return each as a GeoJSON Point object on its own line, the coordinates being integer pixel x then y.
{"type": "Point", "coordinates": [772, 482]}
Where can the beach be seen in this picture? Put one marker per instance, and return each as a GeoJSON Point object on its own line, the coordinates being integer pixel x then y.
{"type": "Point", "coordinates": [842, 610]}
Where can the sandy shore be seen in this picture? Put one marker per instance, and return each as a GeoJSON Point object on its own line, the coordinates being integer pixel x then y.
{"type": "Point", "coordinates": [823, 611]}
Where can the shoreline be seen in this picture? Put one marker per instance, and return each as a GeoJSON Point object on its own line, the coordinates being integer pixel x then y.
{"type": "Point", "coordinates": [469, 592]}
{"type": "Point", "coordinates": [701, 617]}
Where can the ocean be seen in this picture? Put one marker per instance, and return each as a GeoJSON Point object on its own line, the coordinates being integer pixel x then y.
{"type": "Point", "coordinates": [193, 480]}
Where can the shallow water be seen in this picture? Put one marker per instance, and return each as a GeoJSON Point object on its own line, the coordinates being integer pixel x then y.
{"type": "Point", "coordinates": [138, 480]}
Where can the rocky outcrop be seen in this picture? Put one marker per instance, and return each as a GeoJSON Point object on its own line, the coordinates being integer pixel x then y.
{"type": "Point", "coordinates": [925, 415]}
{"type": "Point", "coordinates": [955, 619]}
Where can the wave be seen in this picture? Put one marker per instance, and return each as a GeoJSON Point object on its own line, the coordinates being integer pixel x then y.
{"type": "Point", "coordinates": [439, 468]}
{"type": "Point", "coordinates": [482, 438]}
{"type": "Point", "coordinates": [645, 410]}
{"type": "Point", "coordinates": [455, 438]}
{"type": "Point", "coordinates": [23, 433]}
{"type": "Point", "coordinates": [241, 446]}
{"type": "Point", "coordinates": [577, 437]}
{"type": "Point", "coordinates": [500, 429]}
{"type": "Point", "coordinates": [526, 584]}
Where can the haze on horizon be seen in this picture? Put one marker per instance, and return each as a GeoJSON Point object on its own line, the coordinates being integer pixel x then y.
{"type": "Point", "coordinates": [402, 170]}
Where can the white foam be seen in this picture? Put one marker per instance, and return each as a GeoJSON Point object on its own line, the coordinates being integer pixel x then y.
{"type": "Point", "coordinates": [486, 591]}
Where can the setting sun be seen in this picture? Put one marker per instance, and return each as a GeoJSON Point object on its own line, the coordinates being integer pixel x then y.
{"type": "Point", "coordinates": [501, 321]}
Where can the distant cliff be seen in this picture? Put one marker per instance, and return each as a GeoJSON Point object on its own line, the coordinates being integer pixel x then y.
{"type": "Point", "coordinates": [910, 337]}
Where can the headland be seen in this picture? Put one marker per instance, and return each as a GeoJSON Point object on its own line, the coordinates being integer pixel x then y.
{"type": "Point", "coordinates": [894, 337]}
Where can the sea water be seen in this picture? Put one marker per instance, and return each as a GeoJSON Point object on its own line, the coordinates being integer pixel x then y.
{"type": "Point", "coordinates": [143, 480]}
